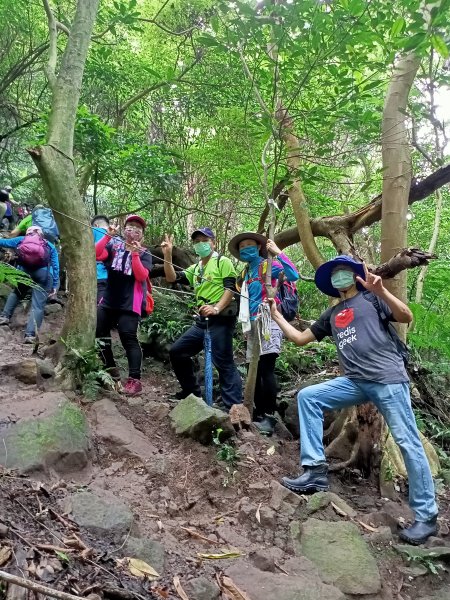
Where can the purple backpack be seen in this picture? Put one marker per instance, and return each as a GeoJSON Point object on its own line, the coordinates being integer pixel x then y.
{"type": "Point", "coordinates": [33, 252]}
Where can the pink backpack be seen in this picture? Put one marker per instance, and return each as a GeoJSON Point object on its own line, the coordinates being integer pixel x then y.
{"type": "Point", "coordinates": [33, 252]}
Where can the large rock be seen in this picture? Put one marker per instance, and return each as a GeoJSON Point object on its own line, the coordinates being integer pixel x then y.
{"type": "Point", "coordinates": [150, 551]}
{"type": "Point", "coordinates": [29, 371]}
{"type": "Point", "coordinates": [277, 586]}
{"type": "Point", "coordinates": [59, 440]}
{"type": "Point", "coordinates": [118, 433]}
{"type": "Point", "coordinates": [201, 588]}
{"type": "Point", "coordinates": [321, 500]}
{"type": "Point", "coordinates": [341, 555]}
{"type": "Point", "coordinates": [105, 516]}
{"type": "Point", "coordinates": [415, 552]}
{"type": "Point", "coordinates": [192, 417]}
{"type": "Point", "coordinates": [282, 497]}
{"type": "Point", "coordinates": [291, 419]}
{"type": "Point", "coordinates": [443, 594]}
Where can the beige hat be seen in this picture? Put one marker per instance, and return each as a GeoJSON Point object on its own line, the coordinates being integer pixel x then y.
{"type": "Point", "coordinates": [233, 245]}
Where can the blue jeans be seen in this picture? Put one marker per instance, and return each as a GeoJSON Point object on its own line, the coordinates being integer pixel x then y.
{"type": "Point", "coordinates": [39, 297]}
{"type": "Point", "coordinates": [393, 402]}
{"type": "Point", "coordinates": [191, 343]}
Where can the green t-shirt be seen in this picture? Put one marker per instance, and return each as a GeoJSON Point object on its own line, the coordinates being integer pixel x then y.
{"type": "Point", "coordinates": [207, 280]}
{"type": "Point", "coordinates": [24, 224]}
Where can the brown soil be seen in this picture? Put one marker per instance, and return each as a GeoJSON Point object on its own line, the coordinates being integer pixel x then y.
{"type": "Point", "coordinates": [190, 489]}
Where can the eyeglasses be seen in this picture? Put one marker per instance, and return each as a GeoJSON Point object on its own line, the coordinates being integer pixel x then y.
{"type": "Point", "coordinates": [132, 228]}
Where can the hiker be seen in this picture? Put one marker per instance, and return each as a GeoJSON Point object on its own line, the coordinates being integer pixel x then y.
{"type": "Point", "coordinates": [374, 371]}
{"type": "Point", "coordinates": [128, 265]}
{"type": "Point", "coordinates": [38, 258]}
{"type": "Point", "coordinates": [42, 217]}
{"type": "Point", "coordinates": [100, 225]}
{"type": "Point", "coordinates": [4, 199]}
{"type": "Point", "coordinates": [253, 248]}
{"type": "Point", "coordinates": [213, 279]}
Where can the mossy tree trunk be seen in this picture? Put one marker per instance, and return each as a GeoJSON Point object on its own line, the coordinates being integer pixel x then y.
{"type": "Point", "coordinates": [54, 161]}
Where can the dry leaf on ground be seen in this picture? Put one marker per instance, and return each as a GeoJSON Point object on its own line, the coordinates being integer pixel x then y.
{"type": "Point", "coordinates": [230, 589]}
{"type": "Point", "coordinates": [5, 555]}
{"type": "Point", "coordinates": [271, 450]}
{"type": "Point", "coordinates": [139, 568]}
{"type": "Point", "coordinates": [219, 556]}
{"type": "Point", "coordinates": [179, 588]}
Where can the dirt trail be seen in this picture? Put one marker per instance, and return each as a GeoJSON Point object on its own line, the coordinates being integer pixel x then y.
{"type": "Point", "coordinates": [184, 502]}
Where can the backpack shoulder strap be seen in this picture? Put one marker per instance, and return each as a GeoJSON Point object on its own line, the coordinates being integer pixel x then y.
{"type": "Point", "coordinates": [376, 304]}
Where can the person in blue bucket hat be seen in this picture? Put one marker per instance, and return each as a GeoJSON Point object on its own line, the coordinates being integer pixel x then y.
{"type": "Point", "coordinates": [374, 370]}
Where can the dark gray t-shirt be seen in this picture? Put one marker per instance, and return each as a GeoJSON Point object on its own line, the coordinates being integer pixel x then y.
{"type": "Point", "coordinates": [366, 350]}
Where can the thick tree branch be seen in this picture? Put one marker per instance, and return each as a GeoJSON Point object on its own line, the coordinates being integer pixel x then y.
{"type": "Point", "coordinates": [50, 70]}
{"type": "Point", "coordinates": [407, 258]}
{"type": "Point", "coordinates": [368, 214]}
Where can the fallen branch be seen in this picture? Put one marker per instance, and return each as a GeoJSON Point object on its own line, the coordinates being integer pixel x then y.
{"type": "Point", "coordinates": [36, 587]}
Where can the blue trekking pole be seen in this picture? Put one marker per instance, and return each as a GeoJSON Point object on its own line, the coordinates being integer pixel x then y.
{"type": "Point", "coordinates": [208, 367]}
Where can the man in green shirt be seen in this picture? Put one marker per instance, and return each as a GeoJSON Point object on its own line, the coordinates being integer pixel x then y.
{"type": "Point", "coordinates": [21, 227]}
{"type": "Point", "coordinates": [213, 279]}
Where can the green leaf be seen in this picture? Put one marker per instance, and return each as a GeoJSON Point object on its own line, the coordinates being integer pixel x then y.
{"type": "Point", "coordinates": [398, 26]}
{"type": "Point", "coordinates": [439, 45]}
{"type": "Point", "coordinates": [215, 24]}
{"type": "Point", "coordinates": [410, 43]}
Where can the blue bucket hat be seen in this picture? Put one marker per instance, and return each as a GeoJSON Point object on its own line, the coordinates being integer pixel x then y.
{"type": "Point", "coordinates": [322, 277]}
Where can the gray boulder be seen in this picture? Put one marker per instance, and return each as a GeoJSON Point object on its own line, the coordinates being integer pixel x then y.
{"type": "Point", "coordinates": [321, 500]}
{"type": "Point", "coordinates": [59, 440]}
{"type": "Point", "coordinates": [201, 588]}
{"type": "Point", "coordinates": [192, 417]}
{"type": "Point", "coordinates": [150, 551]}
{"type": "Point", "coordinates": [105, 516]}
{"type": "Point", "coordinates": [278, 586]}
{"type": "Point", "coordinates": [341, 555]}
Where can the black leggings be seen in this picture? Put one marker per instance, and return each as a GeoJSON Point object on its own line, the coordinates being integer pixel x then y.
{"type": "Point", "coordinates": [127, 325]}
{"type": "Point", "coordinates": [266, 386]}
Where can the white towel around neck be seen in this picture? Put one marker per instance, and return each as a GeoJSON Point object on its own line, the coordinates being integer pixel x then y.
{"type": "Point", "coordinates": [244, 310]}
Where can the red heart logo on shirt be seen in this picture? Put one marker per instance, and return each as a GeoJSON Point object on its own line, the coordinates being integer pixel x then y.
{"type": "Point", "coordinates": [344, 317]}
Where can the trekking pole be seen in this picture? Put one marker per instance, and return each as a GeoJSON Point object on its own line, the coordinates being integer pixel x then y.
{"type": "Point", "coordinates": [208, 365]}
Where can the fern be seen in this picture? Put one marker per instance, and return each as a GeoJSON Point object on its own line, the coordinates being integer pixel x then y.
{"type": "Point", "coordinates": [89, 372]}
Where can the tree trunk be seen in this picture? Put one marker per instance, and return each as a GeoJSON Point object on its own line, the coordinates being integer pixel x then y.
{"type": "Point", "coordinates": [55, 164]}
{"type": "Point", "coordinates": [397, 168]}
{"type": "Point", "coordinates": [295, 191]}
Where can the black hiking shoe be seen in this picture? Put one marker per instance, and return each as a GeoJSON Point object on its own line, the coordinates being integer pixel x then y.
{"type": "Point", "coordinates": [314, 479]}
{"type": "Point", "coordinates": [419, 532]}
{"type": "Point", "coordinates": [266, 426]}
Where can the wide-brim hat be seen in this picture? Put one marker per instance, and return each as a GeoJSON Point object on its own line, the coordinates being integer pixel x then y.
{"type": "Point", "coordinates": [233, 245]}
{"type": "Point", "coordinates": [322, 277]}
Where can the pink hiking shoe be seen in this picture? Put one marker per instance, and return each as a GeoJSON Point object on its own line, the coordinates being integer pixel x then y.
{"type": "Point", "coordinates": [132, 387]}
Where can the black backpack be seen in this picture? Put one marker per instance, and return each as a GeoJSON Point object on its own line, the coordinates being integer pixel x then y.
{"type": "Point", "coordinates": [402, 348]}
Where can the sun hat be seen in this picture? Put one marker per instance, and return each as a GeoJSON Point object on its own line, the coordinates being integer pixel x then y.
{"type": "Point", "coordinates": [233, 245]}
{"type": "Point", "coordinates": [137, 219]}
{"type": "Point", "coordinates": [322, 277]}
{"type": "Point", "coordinates": [204, 231]}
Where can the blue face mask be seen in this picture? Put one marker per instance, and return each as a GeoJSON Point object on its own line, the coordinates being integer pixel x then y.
{"type": "Point", "coordinates": [342, 280]}
{"type": "Point", "coordinates": [249, 253]}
